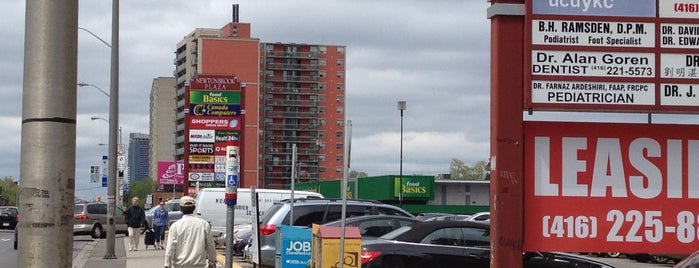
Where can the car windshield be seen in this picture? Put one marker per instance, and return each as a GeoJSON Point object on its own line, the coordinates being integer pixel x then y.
{"type": "Point", "coordinates": [395, 233]}
{"type": "Point", "coordinates": [9, 211]}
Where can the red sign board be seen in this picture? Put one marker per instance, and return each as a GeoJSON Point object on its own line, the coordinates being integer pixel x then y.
{"type": "Point", "coordinates": [609, 187]}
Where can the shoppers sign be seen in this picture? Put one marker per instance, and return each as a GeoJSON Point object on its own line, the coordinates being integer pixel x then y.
{"type": "Point", "coordinates": [602, 187]}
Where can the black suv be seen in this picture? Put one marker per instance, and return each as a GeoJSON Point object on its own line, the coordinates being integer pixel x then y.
{"type": "Point", "coordinates": [310, 211]}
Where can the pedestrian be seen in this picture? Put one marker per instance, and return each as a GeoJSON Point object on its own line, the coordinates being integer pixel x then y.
{"type": "Point", "coordinates": [135, 220]}
{"type": "Point", "coordinates": [161, 218]}
{"type": "Point", "coordinates": [190, 243]}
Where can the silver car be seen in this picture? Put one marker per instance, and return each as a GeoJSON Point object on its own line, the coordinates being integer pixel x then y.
{"type": "Point", "coordinates": [173, 211]}
{"type": "Point", "coordinates": [91, 219]}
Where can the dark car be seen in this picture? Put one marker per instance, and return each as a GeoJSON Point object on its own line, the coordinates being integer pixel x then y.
{"type": "Point", "coordinates": [447, 244]}
{"type": "Point", "coordinates": [9, 216]}
{"type": "Point", "coordinates": [691, 261]}
{"type": "Point", "coordinates": [373, 226]}
{"type": "Point", "coordinates": [440, 244]}
{"type": "Point", "coordinates": [310, 211]}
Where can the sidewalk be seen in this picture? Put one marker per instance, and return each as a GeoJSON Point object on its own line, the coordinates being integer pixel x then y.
{"type": "Point", "coordinates": [93, 256]}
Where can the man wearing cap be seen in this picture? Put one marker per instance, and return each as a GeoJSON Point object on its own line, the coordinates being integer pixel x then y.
{"type": "Point", "coordinates": [189, 242]}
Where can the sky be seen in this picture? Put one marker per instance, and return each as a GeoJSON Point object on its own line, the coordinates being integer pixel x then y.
{"type": "Point", "coordinates": [432, 54]}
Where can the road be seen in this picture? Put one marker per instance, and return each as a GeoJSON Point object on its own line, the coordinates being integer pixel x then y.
{"type": "Point", "coordinates": [8, 254]}
{"type": "Point", "coordinates": [623, 262]}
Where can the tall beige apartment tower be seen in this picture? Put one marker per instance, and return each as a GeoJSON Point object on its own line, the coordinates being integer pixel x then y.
{"type": "Point", "coordinates": [162, 123]}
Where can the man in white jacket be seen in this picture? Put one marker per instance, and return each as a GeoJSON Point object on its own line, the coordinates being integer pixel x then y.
{"type": "Point", "coordinates": [189, 242]}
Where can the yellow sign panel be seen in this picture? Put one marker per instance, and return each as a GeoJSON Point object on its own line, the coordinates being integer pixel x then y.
{"type": "Point", "coordinates": [201, 158]}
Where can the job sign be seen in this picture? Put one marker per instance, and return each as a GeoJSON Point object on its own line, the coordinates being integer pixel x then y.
{"type": "Point", "coordinates": [608, 187]}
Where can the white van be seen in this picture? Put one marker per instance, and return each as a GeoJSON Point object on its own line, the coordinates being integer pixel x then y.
{"type": "Point", "coordinates": [211, 206]}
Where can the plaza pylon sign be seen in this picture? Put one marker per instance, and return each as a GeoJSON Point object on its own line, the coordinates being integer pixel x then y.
{"type": "Point", "coordinates": [213, 121]}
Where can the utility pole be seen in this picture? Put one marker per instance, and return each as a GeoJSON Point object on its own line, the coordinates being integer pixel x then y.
{"type": "Point", "coordinates": [49, 109]}
{"type": "Point", "coordinates": [113, 131]}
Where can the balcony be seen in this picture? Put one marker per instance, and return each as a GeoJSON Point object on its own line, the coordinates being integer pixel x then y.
{"type": "Point", "coordinates": [294, 55]}
{"type": "Point", "coordinates": [293, 90]}
{"type": "Point", "coordinates": [279, 114]}
{"type": "Point", "coordinates": [303, 103]}
{"type": "Point", "coordinates": [291, 127]}
{"type": "Point", "coordinates": [298, 67]}
{"type": "Point", "coordinates": [291, 78]}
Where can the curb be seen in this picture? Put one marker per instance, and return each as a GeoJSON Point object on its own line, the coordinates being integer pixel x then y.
{"type": "Point", "coordinates": [81, 259]}
{"type": "Point", "coordinates": [221, 258]}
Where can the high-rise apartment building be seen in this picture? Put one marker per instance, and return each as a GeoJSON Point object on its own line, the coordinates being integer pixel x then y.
{"type": "Point", "coordinates": [162, 124]}
{"type": "Point", "coordinates": [294, 94]}
{"type": "Point", "coordinates": [139, 148]}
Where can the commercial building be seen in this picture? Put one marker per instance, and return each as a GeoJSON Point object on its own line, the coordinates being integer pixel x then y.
{"type": "Point", "coordinates": [139, 149]}
{"type": "Point", "coordinates": [294, 94]}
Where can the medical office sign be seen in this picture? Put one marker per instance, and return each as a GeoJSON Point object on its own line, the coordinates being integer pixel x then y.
{"type": "Point", "coordinates": [603, 187]}
{"type": "Point", "coordinates": [612, 55]}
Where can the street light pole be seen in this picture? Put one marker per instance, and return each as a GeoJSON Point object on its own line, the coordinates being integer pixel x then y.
{"type": "Point", "coordinates": [91, 85]}
{"type": "Point", "coordinates": [113, 130]}
{"type": "Point", "coordinates": [401, 107]}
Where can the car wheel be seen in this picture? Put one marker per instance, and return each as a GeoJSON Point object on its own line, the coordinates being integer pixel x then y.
{"type": "Point", "coordinates": [659, 259]}
{"type": "Point", "coordinates": [613, 254]}
{"type": "Point", "coordinates": [97, 232]}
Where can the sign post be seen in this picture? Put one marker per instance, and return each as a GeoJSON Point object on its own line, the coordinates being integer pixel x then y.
{"type": "Point", "coordinates": [231, 196]}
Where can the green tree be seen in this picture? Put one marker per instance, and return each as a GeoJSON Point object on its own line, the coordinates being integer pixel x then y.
{"type": "Point", "coordinates": [358, 174]}
{"type": "Point", "coordinates": [140, 189]}
{"type": "Point", "coordinates": [9, 191]}
{"type": "Point", "coordinates": [461, 171]}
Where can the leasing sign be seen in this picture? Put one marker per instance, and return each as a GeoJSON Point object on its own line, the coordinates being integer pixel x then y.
{"type": "Point", "coordinates": [603, 187]}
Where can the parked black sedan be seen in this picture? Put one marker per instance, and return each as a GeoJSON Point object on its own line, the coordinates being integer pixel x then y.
{"type": "Point", "coordinates": [447, 244]}
{"type": "Point", "coordinates": [9, 216]}
{"type": "Point", "coordinates": [440, 244]}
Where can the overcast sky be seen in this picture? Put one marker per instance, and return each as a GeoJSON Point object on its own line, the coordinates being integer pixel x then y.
{"type": "Point", "coordinates": [432, 54]}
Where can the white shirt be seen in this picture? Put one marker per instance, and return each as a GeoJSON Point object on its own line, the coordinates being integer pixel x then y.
{"type": "Point", "coordinates": [190, 243]}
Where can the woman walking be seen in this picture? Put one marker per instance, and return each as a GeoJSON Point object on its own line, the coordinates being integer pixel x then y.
{"type": "Point", "coordinates": [160, 222]}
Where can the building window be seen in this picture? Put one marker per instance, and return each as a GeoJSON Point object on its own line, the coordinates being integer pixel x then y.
{"type": "Point", "coordinates": [341, 50]}
{"type": "Point", "coordinates": [338, 158]}
{"type": "Point", "coordinates": [322, 62]}
{"type": "Point", "coordinates": [323, 49]}
{"type": "Point", "coordinates": [322, 122]}
{"type": "Point", "coordinates": [321, 85]}
{"type": "Point", "coordinates": [340, 86]}
{"type": "Point", "coordinates": [340, 74]}
{"type": "Point", "coordinates": [339, 146]}
{"type": "Point", "coordinates": [321, 157]}
{"type": "Point", "coordinates": [340, 122]}
{"type": "Point", "coordinates": [338, 169]}
{"type": "Point", "coordinates": [340, 62]}
{"type": "Point", "coordinates": [321, 74]}
{"type": "Point", "coordinates": [321, 169]}
{"type": "Point", "coordinates": [340, 98]}
{"type": "Point", "coordinates": [322, 110]}
{"type": "Point", "coordinates": [340, 110]}
{"type": "Point", "coordinates": [340, 134]}
{"type": "Point", "coordinates": [322, 97]}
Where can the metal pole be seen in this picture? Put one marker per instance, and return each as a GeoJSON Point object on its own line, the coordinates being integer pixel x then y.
{"type": "Point", "coordinates": [113, 131]}
{"type": "Point", "coordinates": [231, 197]}
{"type": "Point", "coordinates": [401, 107]}
{"type": "Point", "coordinates": [293, 175]}
{"type": "Point", "coordinates": [343, 192]}
{"type": "Point", "coordinates": [49, 108]}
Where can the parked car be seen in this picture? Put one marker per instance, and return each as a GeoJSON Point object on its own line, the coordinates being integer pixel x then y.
{"type": "Point", "coordinates": [374, 226]}
{"type": "Point", "coordinates": [173, 211]}
{"type": "Point", "coordinates": [428, 215]}
{"type": "Point", "coordinates": [646, 257]}
{"type": "Point", "coordinates": [9, 216]}
{"type": "Point", "coordinates": [91, 219]}
{"type": "Point", "coordinates": [310, 211]}
{"type": "Point", "coordinates": [447, 244]}
{"type": "Point", "coordinates": [450, 218]}
{"type": "Point", "coordinates": [691, 261]}
{"type": "Point", "coordinates": [480, 216]}
{"type": "Point", "coordinates": [242, 239]}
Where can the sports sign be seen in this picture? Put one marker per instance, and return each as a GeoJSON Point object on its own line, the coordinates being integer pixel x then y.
{"type": "Point", "coordinates": [603, 187]}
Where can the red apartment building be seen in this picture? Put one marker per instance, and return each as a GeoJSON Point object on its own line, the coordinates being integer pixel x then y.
{"type": "Point", "coordinates": [294, 94]}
